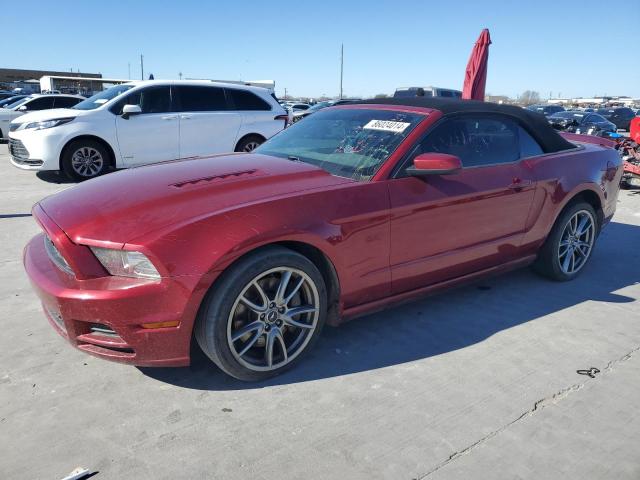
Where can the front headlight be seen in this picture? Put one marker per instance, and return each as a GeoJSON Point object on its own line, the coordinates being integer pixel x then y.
{"type": "Point", "coordinates": [47, 123]}
{"type": "Point", "coordinates": [125, 263]}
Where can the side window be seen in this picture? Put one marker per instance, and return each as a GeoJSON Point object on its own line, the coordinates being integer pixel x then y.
{"type": "Point", "coordinates": [201, 99]}
{"type": "Point", "coordinates": [65, 102]}
{"type": "Point", "coordinates": [40, 103]}
{"type": "Point", "coordinates": [528, 146]}
{"type": "Point", "coordinates": [246, 100]}
{"type": "Point", "coordinates": [477, 141]}
{"type": "Point", "coordinates": [151, 100]}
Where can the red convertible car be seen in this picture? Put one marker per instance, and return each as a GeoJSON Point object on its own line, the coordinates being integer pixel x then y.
{"type": "Point", "coordinates": [348, 211]}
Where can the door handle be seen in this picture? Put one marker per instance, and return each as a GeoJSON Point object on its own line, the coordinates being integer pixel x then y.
{"type": "Point", "coordinates": [169, 117]}
{"type": "Point", "coordinates": [519, 184]}
{"type": "Point", "coordinates": [185, 117]}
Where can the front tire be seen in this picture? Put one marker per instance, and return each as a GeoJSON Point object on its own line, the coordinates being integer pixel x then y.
{"type": "Point", "coordinates": [85, 159]}
{"type": "Point", "coordinates": [570, 244]}
{"type": "Point", "coordinates": [262, 314]}
{"type": "Point", "coordinates": [249, 143]}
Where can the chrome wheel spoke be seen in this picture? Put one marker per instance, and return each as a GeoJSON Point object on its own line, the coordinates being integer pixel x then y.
{"type": "Point", "coordinates": [247, 329]}
{"type": "Point", "coordinates": [289, 320]}
{"type": "Point", "coordinates": [282, 287]}
{"type": "Point", "coordinates": [268, 352]}
{"type": "Point", "coordinates": [252, 305]}
{"type": "Point", "coordinates": [294, 291]}
{"type": "Point", "coordinates": [283, 345]}
{"type": "Point", "coordinates": [251, 342]}
{"type": "Point", "coordinates": [567, 260]}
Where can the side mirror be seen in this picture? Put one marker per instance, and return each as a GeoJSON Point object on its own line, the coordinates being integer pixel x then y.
{"type": "Point", "coordinates": [434, 164]}
{"type": "Point", "coordinates": [22, 108]}
{"type": "Point", "coordinates": [129, 110]}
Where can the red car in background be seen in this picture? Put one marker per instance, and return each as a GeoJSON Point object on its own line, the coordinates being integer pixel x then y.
{"type": "Point", "coordinates": [350, 210]}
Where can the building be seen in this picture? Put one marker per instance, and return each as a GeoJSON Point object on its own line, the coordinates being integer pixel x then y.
{"type": "Point", "coordinates": [29, 80]}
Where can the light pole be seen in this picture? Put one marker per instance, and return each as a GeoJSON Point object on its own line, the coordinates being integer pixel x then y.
{"type": "Point", "coordinates": [341, 67]}
{"type": "Point", "coordinates": [141, 67]}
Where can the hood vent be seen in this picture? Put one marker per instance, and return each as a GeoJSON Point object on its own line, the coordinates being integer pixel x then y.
{"type": "Point", "coordinates": [217, 178]}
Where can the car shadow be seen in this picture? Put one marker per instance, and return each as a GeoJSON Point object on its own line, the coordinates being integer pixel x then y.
{"type": "Point", "coordinates": [53, 176]}
{"type": "Point", "coordinates": [441, 323]}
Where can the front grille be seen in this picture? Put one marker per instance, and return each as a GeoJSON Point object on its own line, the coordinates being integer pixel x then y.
{"type": "Point", "coordinates": [102, 329]}
{"type": "Point", "coordinates": [20, 154]}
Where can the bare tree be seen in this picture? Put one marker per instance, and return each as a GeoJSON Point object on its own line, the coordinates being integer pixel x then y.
{"type": "Point", "coordinates": [529, 97]}
{"type": "Point", "coordinates": [381, 95]}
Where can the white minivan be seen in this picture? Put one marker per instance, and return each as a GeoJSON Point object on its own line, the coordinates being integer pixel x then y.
{"type": "Point", "coordinates": [145, 122]}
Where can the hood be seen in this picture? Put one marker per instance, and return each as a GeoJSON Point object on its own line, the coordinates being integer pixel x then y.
{"type": "Point", "coordinates": [119, 207]}
{"type": "Point", "coordinates": [43, 115]}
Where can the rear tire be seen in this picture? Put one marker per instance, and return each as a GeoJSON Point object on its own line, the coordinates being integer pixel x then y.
{"type": "Point", "coordinates": [85, 159]}
{"type": "Point", "coordinates": [249, 143]}
{"type": "Point", "coordinates": [248, 324]}
{"type": "Point", "coordinates": [570, 243]}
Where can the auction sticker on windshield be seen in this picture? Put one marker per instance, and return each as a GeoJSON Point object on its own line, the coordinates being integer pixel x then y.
{"type": "Point", "coordinates": [386, 126]}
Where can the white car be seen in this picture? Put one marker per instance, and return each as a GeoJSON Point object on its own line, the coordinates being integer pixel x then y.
{"type": "Point", "coordinates": [33, 103]}
{"type": "Point", "coordinates": [145, 122]}
{"type": "Point", "coordinates": [297, 107]}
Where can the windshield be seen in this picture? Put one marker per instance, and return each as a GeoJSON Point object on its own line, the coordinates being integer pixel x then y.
{"type": "Point", "coordinates": [8, 101]}
{"type": "Point", "coordinates": [17, 103]}
{"type": "Point", "coordinates": [573, 115]}
{"type": "Point", "coordinates": [320, 106]}
{"type": "Point", "coordinates": [350, 143]}
{"type": "Point", "coordinates": [101, 98]}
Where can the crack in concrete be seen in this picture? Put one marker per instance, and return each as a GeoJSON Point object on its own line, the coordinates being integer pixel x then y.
{"type": "Point", "coordinates": [538, 405]}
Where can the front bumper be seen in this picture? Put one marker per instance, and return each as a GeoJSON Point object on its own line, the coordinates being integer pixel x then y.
{"type": "Point", "coordinates": [36, 149]}
{"type": "Point", "coordinates": [103, 316]}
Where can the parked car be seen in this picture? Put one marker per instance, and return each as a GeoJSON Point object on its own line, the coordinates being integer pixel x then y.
{"type": "Point", "coordinates": [12, 99]}
{"type": "Point", "coordinates": [620, 116]}
{"type": "Point", "coordinates": [299, 115]}
{"type": "Point", "coordinates": [5, 94]}
{"type": "Point", "coordinates": [408, 92]}
{"type": "Point", "coordinates": [33, 103]}
{"type": "Point", "coordinates": [145, 122]}
{"type": "Point", "coordinates": [580, 122]}
{"type": "Point", "coordinates": [347, 212]}
{"type": "Point", "coordinates": [546, 110]}
{"type": "Point", "coordinates": [297, 107]}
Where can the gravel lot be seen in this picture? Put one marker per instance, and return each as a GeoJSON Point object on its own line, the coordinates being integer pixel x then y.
{"type": "Point", "coordinates": [479, 382]}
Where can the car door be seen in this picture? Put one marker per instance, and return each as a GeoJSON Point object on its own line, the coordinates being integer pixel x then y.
{"type": "Point", "coordinates": [207, 126]}
{"type": "Point", "coordinates": [152, 135]}
{"type": "Point", "coordinates": [447, 226]}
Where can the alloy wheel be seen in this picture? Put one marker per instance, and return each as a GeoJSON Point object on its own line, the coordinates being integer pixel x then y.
{"type": "Point", "coordinates": [87, 162]}
{"type": "Point", "coordinates": [576, 242]}
{"type": "Point", "coordinates": [250, 146]}
{"type": "Point", "coordinates": [273, 319]}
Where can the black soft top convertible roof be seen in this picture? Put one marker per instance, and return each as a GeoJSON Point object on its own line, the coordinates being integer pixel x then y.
{"type": "Point", "coordinates": [535, 123]}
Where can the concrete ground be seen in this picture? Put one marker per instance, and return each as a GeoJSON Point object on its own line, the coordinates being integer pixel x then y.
{"type": "Point", "coordinates": [479, 382]}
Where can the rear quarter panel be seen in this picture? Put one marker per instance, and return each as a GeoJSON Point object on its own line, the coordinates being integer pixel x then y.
{"type": "Point", "coordinates": [563, 175]}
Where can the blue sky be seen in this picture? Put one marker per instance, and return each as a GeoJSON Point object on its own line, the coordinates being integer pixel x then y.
{"type": "Point", "coordinates": [573, 48]}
